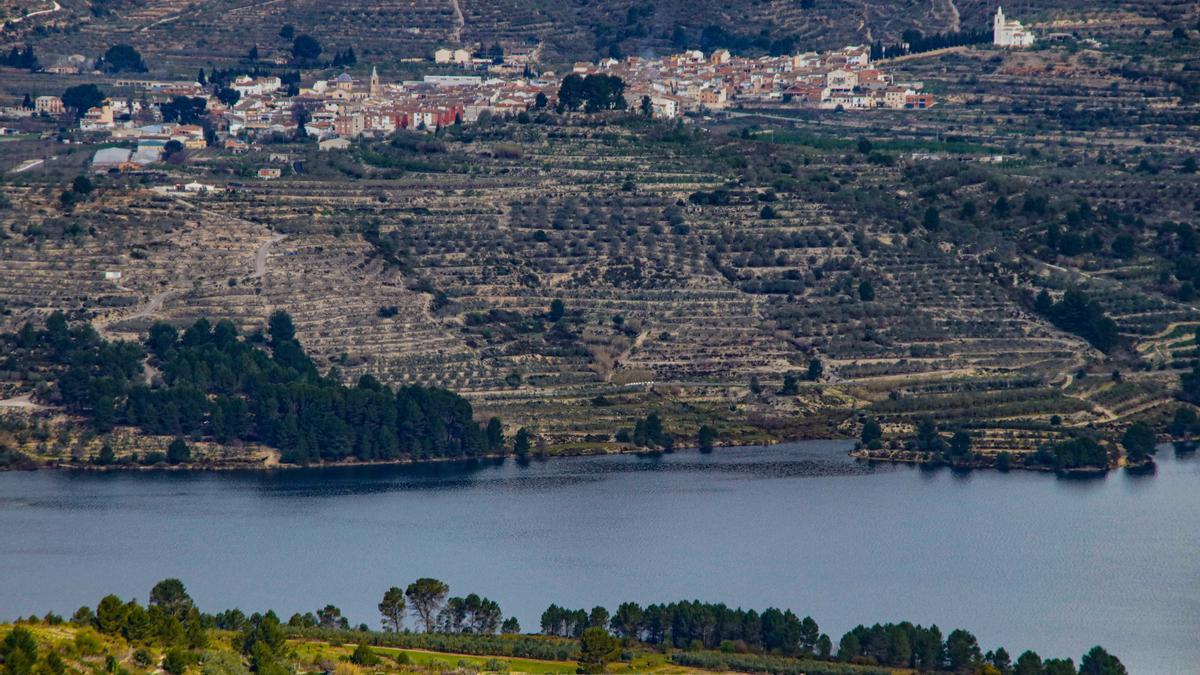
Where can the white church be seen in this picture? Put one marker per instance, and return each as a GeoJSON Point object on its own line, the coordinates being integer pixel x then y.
{"type": "Point", "coordinates": [1010, 32]}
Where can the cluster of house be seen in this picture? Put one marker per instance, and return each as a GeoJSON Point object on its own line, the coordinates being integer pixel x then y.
{"type": "Point", "coordinates": [335, 110]}
{"type": "Point", "coordinates": [332, 110]}
{"type": "Point", "coordinates": [692, 82]}
{"type": "Point", "coordinates": [345, 107]}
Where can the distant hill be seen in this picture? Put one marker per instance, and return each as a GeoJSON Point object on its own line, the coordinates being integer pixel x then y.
{"type": "Point", "coordinates": [180, 34]}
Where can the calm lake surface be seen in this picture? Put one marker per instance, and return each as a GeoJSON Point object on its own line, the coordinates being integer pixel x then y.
{"type": "Point", "coordinates": [1022, 560]}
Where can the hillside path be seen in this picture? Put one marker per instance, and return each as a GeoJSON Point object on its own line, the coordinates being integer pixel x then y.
{"type": "Point", "coordinates": [30, 15]}
{"type": "Point", "coordinates": [460, 21]}
{"type": "Point", "coordinates": [261, 253]}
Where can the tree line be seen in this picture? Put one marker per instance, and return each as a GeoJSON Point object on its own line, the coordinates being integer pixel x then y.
{"type": "Point", "coordinates": [220, 385]}
{"type": "Point", "coordinates": [593, 93]}
{"type": "Point", "coordinates": [696, 626]}
{"type": "Point", "coordinates": [20, 58]}
{"type": "Point", "coordinates": [710, 635]}
{"type": "Point", "coordinates": [916, 42]}
{"type": "Point", "coordinates": [1076, 453]}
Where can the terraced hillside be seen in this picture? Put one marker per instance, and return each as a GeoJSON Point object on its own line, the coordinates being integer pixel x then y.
{"type": "Point", "coordinates": [775, 273]}
{"type": "Point", "coordinates": [181, 36]}
{"type": "Point", "coordinates": [697, 272]}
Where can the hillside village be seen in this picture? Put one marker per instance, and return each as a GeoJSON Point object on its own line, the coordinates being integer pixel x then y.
{"type": "Point", "coordinates": [337, 109]}
{"type": "Point", "coordinates": [231, 113]}
{"type": "Point", "coordinates": [758, 264]}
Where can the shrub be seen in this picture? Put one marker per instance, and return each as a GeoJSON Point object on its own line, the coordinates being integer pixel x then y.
{"type": "Point", "coordinates": [87, 642]}
{"type": "Point", "coordinates": [363, 656]}
{"type": "Point", "coordinates": [176, 661]}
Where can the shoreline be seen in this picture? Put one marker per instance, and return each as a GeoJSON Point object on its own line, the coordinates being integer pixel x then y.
{"type": "Point", "coordinates": [263, 466]}
{"type": "Point", "coordinates": [857, 453]}
{"type": "Point", "coordinates": [923, 459]}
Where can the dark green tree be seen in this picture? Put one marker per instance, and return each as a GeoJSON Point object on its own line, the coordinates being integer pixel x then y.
{"type": "Point", "coordinates": [1058, 667]}
{"type": "Point", "coordinates": [1099, 662]}
{"type": "Point", "coordinates": [628, 620]}
{"type": "Point", "coordinates": [932, 219]}
{"type": "Point", "coordinates": [1002, 662]}
{"type": "Point", "coordinates": [791, 386]}
{"type": "Point", "coordinates": [228, 96]}
{"type": "Point", "coordinates": [1184, 423]}
{"type": "Point", "coordinates": [110, 615]}
{"type": "Point", "coordinates": [81, 98]}
{"type": "Point", "coordinates": [596, 649]}
{"type": "Point", "coordinates": [392, 608]}
{"type": "Point", "coordinates": [82, 185]}
{"type": "Point", "coordinates": [848, 647]}
{"type": "Point", "coordinates": [872, 433]}
{"type": "Point", "coordinates": [19, 651]}
{"type": "Point", "coordinates": [306, 48]}
{"type": "Point", "coordinates": [106, 456]}
{"type": "Point", "coordinates": [171, 596]}
{"type": "Point", "coordinates": [176, 661]}
{"type": "Point", "coordinates": [495, 434]}
{"type": "Point", "coordinates": [962, 651]}
{"type": "Point", "coordinates": [1028, 663]}
{"type": "Point", "coordinates": [824, 647]}
{"type": "Point", "coordinates": [281, 328]}
{"type": "Point", "coordinates": [1189, 384]}
{"type": "Point", "coordinates": [1139, 441]}
{"type": "Point", "coordinates": [815, 369]}
{"type": "Point", "coordinates": [521, 442]}
{"type": "Point", "coordinates": [184, 109]}
{"type": "Point", "coordinates": [330, 616]}
{"type": "Point", "coordinates": [960, 445]}
{"type": "Point", "coordinates": [598, 618]}
{"type": "Point", "coordinates": [122, 59]}
{"type": "Point", "coordinates": [755, 385]}
{"type": "Point", "coordinates": [928, 438]}
{"type": "Point", "coordinates": [426, 596]}
{"type": "Point", "coordinates": [1001, 208]}
{"type": "Point", "coordinates": [178, 452]}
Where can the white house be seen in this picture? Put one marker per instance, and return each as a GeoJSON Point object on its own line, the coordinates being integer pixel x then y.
{"type": "Point", "coordinates": [461, 57]}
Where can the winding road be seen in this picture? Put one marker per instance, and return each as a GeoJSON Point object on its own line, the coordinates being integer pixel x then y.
{"type": "Point", "coordinates": [261, 253]}
{"type": "Point", "coordinates": [30, 15]}
{"type": "Point", "coordinates": [460, 21]}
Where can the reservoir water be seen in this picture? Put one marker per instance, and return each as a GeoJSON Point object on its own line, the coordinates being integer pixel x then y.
{"type": "Point", "coordinates": [1027, 561]}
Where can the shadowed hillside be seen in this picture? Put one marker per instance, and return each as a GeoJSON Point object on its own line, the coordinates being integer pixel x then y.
{"type": "Point", "coordinates": [182, 35]}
